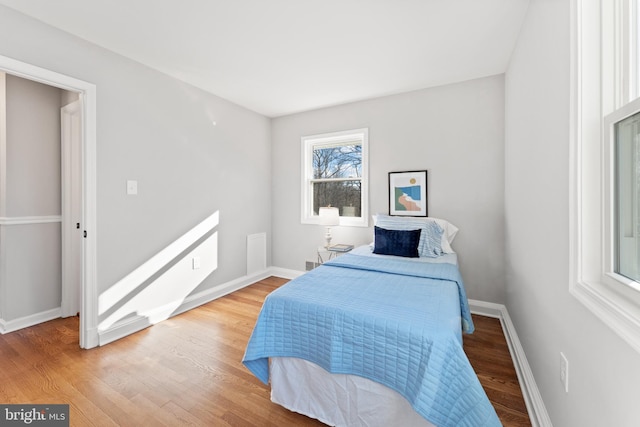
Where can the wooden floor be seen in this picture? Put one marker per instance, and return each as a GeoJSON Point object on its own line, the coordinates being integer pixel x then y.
{"type": "Point", "coordinates": [187, 370]}
{"type": "Point", "coordinates": [489, 355]}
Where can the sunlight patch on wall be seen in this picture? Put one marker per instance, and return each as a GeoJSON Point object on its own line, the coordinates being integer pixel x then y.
{"type": "Point", "coordinates": [159, 286]}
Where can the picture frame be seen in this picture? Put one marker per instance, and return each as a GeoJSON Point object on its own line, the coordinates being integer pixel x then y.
{"type": "Point", "coordinates": [408, 193]}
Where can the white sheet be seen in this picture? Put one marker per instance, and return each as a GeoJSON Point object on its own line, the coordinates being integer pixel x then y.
{"type": "Point", "coordinates": [338, 399]}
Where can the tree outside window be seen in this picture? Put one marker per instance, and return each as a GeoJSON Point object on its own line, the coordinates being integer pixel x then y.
{"type": "Point", "coordinates": [337, 178]}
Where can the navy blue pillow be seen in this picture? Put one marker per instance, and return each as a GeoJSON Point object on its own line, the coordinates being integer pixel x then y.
{"type": "Point", "coordinates": [397, 242]}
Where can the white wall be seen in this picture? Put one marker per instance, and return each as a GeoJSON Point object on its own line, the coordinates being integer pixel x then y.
{"type": "Point", "coordinates": [158, 131]}
{"type": "Point", "coordinates": [604, 372]}
{"type": "Point", "coordinates": [33, 148]}
{"type": "Point", "coordinates": [456, 132]}
{"type": "Point", "coordinates": [31, 252]}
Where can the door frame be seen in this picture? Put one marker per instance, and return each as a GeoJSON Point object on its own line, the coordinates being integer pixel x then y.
{"type": "Point", "coordinates": [87, 95]}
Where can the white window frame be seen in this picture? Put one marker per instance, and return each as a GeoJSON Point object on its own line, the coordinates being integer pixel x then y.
{"type": "Point", "coordinates": [600, 86]}
{"type": "Point", "coordinates": [346, 137]}
{"type": "Point", "coordinates": [611, 277]}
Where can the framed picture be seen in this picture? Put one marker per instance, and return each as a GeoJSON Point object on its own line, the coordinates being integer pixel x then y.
{"type": "Point", "coordinates": [408, 193]}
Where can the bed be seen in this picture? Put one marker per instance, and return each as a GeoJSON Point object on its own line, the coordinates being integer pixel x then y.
{"type": "Point", "coordinates": [372, 339]}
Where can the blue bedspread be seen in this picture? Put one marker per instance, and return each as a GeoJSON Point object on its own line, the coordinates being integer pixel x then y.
{"type": "Point", "coordinates": [392, 321]}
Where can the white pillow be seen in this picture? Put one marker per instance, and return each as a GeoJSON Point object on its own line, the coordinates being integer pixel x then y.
{"type": "Point", "coordinates": [448, 234]}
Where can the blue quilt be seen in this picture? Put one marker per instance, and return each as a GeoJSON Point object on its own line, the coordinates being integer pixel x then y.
{"type": "Point", "coordinates": [393, 321]}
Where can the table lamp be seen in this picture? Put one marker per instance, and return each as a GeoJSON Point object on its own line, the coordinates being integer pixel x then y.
{"type": "Point", "coordinates": [329, 216]}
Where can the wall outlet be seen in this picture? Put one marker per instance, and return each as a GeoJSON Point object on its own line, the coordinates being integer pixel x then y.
{"type": "Point", "coordinates": [132, 187]}
{"type": "Point", "coordinates": [564, 372]}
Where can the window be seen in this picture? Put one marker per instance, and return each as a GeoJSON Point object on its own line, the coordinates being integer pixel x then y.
{"type": "Point", "coordinates": [626, 204]}
{"type": "Point", "coordinates": [621, 170]}
{"type": "Point", "coordinates": [335, 174]}
{"type": "Point", "coordinates": [605, 156]}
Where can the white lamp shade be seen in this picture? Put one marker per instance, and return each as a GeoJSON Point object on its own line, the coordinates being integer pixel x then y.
{"type": "Point", "coordinates": [329, 216]}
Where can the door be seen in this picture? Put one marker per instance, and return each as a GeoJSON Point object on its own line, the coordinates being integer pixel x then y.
{"type": "Point", "coordinates": [71, 139]}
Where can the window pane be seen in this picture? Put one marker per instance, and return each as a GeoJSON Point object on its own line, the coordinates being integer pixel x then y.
{"type": "Point", "coordinates": [345, 195]}
{"type": "Point", "coordinates": [627, 197]}
{"type": "Point", "coordinates": [344, 161]}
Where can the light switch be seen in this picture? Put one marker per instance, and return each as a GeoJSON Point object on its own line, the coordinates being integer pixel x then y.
{"type": "Point", "coordinates": [195, 262]}
{"type": "Point", "coordinates": [132, 187]}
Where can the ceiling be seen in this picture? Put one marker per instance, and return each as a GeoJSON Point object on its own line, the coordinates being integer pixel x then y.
{"type": "Point", "coordinates": [278, 57]}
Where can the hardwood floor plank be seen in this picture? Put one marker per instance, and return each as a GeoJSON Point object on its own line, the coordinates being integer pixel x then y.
{"type": "Point", "coordinates": [187, 370]}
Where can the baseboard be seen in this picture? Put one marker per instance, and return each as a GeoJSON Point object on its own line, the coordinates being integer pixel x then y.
{"type": "Point", "coordinates": [122, 328]}
{"type": "Point", "coordinates": [137, 323]}
{"type": "Point", "coordinates": [7, 326]}
{"type": "Point", "coordinates": [285, 273]}
{"type": "Point", "coordinates": [532, 398]}
{"type": "Point", "coordinates": [488, 309]}
{"type": "Point", "coordinates": [209, 295]}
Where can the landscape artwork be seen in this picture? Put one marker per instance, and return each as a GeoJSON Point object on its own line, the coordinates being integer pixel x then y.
{"type": "Point", "coordinates": [408, 193]}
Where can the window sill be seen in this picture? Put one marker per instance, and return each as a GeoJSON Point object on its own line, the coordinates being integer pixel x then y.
{"type": "Point", "coordinates": [344, 222]}
{"type": "Point", "coordinates": [634, 287]}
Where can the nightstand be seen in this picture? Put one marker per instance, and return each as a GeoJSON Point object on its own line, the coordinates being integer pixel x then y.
{"type": "Point", "coordinates": [325, 254]}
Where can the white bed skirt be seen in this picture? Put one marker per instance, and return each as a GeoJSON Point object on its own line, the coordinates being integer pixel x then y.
{"type": "Point", "coordinates": [337, 399]}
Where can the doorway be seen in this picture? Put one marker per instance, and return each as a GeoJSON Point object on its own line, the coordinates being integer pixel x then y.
{"type": "Point", "coordinates": [86, 156]}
